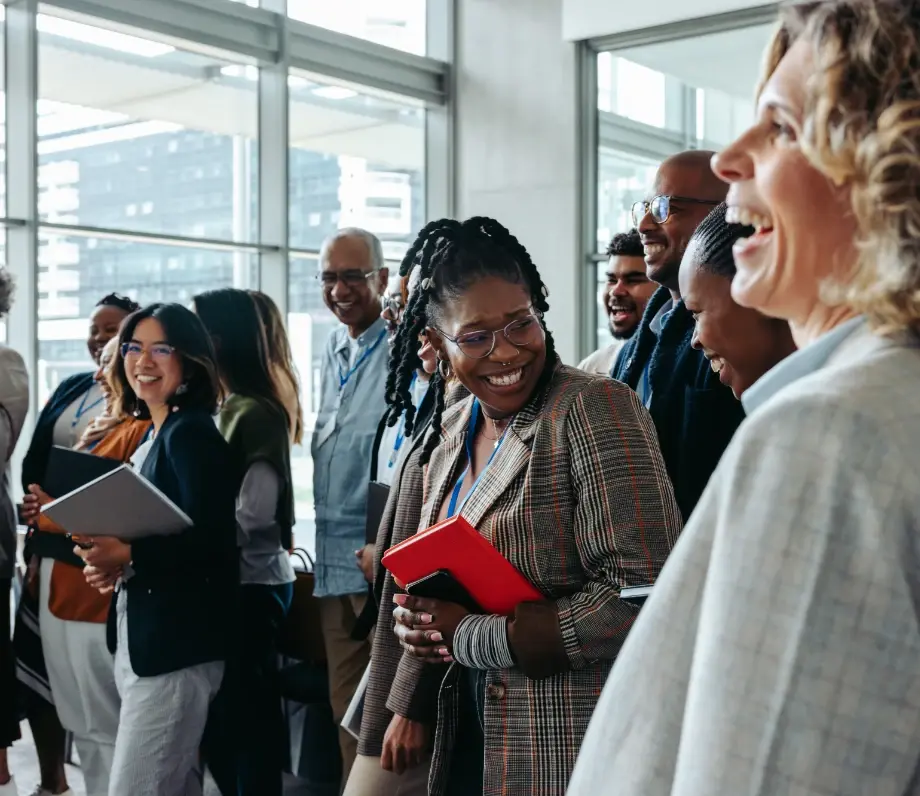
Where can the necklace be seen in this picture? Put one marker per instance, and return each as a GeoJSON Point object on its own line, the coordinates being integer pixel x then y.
{"type": "Point", "coordinates": [499, 433]}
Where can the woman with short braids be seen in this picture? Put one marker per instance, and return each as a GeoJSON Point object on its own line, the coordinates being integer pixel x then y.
{"type": "Point", "coordinates": [559, 470]}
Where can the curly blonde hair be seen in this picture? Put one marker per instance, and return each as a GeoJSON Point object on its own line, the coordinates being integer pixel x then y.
{"type": "Point", "coordinates": [862, 130]}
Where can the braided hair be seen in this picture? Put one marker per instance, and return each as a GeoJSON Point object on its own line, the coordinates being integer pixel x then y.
{"type": "Point", "coordinates": [451, 256]}
{"type": "Point", "coordinates": [713, 241]}
{"type": "Point", "coordinates": [123, 303]}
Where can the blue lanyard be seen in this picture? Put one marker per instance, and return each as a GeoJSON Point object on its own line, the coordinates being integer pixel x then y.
{"type": "Point", "coordinates": [452, 508]}
{"type": "Point", "coordinates": [82, 409]}
{"type": "Point", "coordinates": [401, 430]}
{"type": "Point", "coordinates": [646, 387]}
{"type": "Point", "coordinates": [343, 380]}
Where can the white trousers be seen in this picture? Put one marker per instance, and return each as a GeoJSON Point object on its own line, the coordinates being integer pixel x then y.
{"type": "Point", "coordinates": [162, 721]}
{"type": "Point", "coordinates": [82, 678]}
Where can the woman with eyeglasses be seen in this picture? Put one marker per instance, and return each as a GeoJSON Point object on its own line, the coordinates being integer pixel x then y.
{"type": "Point", "coordinates": [172, 613]}
{"type": "Point", "coordinates": [72, 613]}
{"type": "Point", "coordinates": [70, 410]}
{"type": "Point", "coordinates": [561, 472]}
{"type": "Point", "coordinates": [246, 738]}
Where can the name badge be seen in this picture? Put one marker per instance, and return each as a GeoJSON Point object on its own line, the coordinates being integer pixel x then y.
{"type": "Point", "coordinates": [323, 434]}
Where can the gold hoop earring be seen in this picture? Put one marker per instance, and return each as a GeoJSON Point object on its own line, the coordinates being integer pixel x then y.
{"type": "Point", "coordinates": [444, 369]}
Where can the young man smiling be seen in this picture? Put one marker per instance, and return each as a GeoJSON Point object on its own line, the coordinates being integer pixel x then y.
{"type": "Point", "coordinates": [354, 367]}
{"type": "Point", "coordinates": [625, 295]}
{"type": "Point", "coordinates": [694, 414]}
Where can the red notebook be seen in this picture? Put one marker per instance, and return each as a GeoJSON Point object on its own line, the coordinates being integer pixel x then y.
{"type": "Point", "coordinates": [457, 547]}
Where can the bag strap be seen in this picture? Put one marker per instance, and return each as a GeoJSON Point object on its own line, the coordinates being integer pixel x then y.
{"type": "Point", "coordinates": [309, 564]}
{"type": "Point", "coordinates": [9, 420]}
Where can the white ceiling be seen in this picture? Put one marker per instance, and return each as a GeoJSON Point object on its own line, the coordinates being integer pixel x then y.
{"type": "Point", "coordinates": [728, 62]}
{"type": "Point", "coordinates": [228, 107]}
{"type": "Point", "coordinates": [588, 19]}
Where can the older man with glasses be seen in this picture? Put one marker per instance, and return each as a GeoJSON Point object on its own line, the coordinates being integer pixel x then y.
{"type": "Point", "coordinates": [353, 277]}
{"type": "Point", "coordinates": [694, 414]}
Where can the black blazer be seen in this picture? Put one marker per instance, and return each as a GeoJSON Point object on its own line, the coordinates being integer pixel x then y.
{"type": "Point", "coordinates": [36, 459]}
{"type": "Point", "coordinates": [182, 598]}
{"type": "Point", "coordinates": [694, 413]}
{"type": "Point", "coordinates": [51, 545]}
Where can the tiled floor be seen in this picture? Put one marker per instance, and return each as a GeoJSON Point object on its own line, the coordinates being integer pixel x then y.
{"type": "Point", "coordinates": [24, 767]}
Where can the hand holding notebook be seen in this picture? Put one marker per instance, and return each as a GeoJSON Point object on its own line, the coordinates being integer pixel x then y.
{"type": "Point", "coordinates": [121, 503]}
{"type": "Point", "coordinates": [454, 547]}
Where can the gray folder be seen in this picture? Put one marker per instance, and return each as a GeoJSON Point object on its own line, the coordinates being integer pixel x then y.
{"type": "Point", "coordinates": [121, 503]}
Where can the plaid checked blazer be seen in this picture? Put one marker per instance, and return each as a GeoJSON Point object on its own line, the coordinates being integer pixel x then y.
{"type": "Point", "coordinates": [578, 499]}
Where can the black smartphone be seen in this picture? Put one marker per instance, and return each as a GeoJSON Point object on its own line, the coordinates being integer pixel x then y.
{"type": "Point", "coordinates": [441, 585]}
{"type": "Point", "coordinates": [636, 595]}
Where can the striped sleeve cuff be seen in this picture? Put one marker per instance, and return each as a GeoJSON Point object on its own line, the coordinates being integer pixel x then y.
{"type": "Point", "coordinates": [481, 642]}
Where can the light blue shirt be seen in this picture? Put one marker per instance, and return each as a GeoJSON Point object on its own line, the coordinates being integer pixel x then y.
{"type": "Point", "coordinates": [800, 364]}
{"type": "Point", "coordinates": [342, 445]}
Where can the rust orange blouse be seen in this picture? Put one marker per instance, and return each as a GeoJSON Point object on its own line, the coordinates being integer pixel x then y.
{"type": "Point", "coordinates": [71, 597]}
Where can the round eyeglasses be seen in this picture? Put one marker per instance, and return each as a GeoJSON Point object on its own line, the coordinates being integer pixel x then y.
{"type": "Point", "coordinates": [660, 208]}
{"type": "Point", "coordinates": [478, 345]}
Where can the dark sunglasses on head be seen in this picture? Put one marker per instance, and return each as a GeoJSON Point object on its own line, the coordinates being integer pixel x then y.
{"type": "Point", "coordinates": [660, 207]}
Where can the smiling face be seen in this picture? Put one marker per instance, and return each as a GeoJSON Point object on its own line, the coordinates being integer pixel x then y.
{"type": "Point", "coordinates": [740, 343]}
{"type": "Point", "coordinates": [805, 230]}
{"type": "Point", "coordinates": [153, 369]}
{"type": "Point", "coordinates": [101, 376]}
{"type": "Point", "coordinates": [505, 380]}
{"type": "Point", "coordinates": [103, 326]}
{"type": "Point", "coordinates": [626, 293]}
{"type": "Point", "coordinates": [685, 175]}
{"type": "Point", "coordinates": [351, 288]}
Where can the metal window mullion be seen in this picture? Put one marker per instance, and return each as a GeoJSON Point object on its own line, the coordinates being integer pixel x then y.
{"type": "Point", "coordinates": [273, 149]}
{"type": "Point", "coordinates": [232, 27]}
{"type": "Point", "coordinates": [440, 120]}
{"type": "Point", "coordinates": [353, 60]}
{"type": "Point", "coordinates": [21, 70]}
{"type": "Point", "coordinates": [587, 159]}
{"type": "Point", "coordinates": [626, 135]}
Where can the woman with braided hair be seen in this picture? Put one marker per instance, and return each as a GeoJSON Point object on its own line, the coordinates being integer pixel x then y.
{"type": "Point", "coordinates": [561, 472]}
{"type": "Point", "coordinates": [740, 343]}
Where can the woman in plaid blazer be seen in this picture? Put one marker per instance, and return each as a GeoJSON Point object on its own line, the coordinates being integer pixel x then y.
{"type": "Point", "coordinates": [564, 476]}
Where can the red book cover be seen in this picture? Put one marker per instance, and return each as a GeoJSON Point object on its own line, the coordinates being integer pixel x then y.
{"type": "Point", "coordinates": [457, 547]}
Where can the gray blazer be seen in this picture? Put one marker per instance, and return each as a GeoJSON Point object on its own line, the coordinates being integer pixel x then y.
{"type": "Point", "coordinates": [780, 651]}
{"type": "Point", "coordinates": [14, 405]}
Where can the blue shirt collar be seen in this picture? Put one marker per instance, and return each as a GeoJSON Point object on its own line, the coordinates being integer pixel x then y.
{"type": "Point", "coordinates": [367, 337]}
{"type": "Point", "coordinates": [797, 366]}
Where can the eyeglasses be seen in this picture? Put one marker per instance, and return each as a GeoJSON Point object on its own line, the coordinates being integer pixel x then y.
{"type": "Point", "coordinates": [353, 278]}
{"type": "Point", "coordinates": [478, 345]}
{"type": "Point", "coordinates": [660, 208]}
{"type": "Point", "coordinates": [159, 351]}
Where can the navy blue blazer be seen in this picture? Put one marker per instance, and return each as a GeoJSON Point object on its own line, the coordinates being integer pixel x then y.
{"type": "Point", "coordinates": [182, 598]}
{"type": "Point", "coordinates": [694, 413]}
{"type": "Point", "coordinates": [36, 459]}
{"type": "Point", "coordinates": [51, 545]}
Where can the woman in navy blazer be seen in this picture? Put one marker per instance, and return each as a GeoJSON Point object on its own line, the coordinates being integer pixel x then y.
{"type": "Point", "coordinates": [174, 595]}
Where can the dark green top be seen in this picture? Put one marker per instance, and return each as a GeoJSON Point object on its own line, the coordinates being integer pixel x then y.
{"type": "Point", "coordinates": [258, 432]}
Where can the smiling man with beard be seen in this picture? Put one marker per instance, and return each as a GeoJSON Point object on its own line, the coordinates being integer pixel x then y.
{"type": "Point", "coordinates": [625, 295]}
{"type": "Point", "coordinates": [694, 414]}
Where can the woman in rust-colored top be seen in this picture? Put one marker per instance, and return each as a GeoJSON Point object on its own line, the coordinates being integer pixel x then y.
{"type": "Point", "coordinates": [73, 613]}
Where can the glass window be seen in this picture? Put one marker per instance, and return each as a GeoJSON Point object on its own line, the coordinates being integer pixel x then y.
{"type": "Point", "coordinates": [75, 272]}
{"type": "Point", "coordinates": [720, 117]}
{"type": "Point", "coordinates": [357, 160]}
{"type": "Point", "coordinates": [639, 93]}
{"type": "Point", "coordinates": [137, 149]}
{"type": "Point", "coordinates": [622, 180]}
{"type": "Point", "coordinates": [400, 24]}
